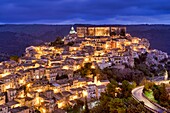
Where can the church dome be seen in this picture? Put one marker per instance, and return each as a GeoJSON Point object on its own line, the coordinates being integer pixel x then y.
{"type": "Point", "coordinates": [72, 31]}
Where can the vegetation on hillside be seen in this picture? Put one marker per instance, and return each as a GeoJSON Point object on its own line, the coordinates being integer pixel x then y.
{"type": "Point", "coordinates": [70, 44]}
{"type": "Point", "coordinates": [117, 99]}
{"type": "Point", "coordinates": [141, 65]}
{"type": "Point", "coordinates": [57, 42]}
{"type": "Point", "coordinates": [21, 36]}
{"type": "Point", "coordinates": [128, 74]}
{"type": "Point", "coordinates": [14, 58]}
{"type": "Point", "coordinates": [157, 93]}
{"type": "Point", "coordinates": [87, 71]}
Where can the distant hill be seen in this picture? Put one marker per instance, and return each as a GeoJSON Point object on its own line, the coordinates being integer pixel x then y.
{"type": "Point", "coordinates": [158, 35]}
{"type": "Point", "coordinates": [15, 38]}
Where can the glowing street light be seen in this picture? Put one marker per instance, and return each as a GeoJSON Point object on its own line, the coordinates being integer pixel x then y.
{"type": "Point", "coordinates": [21, 81]}
{"type": "Point", "coordinates": [60, 105]}
{"type": "Point", "coordinates": [28, 85]}
{"type": "Point", "coordinates": [85, 93]}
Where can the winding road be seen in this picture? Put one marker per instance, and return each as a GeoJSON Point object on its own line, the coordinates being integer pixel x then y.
{"type": "Point", "coordinates": [137, 95]}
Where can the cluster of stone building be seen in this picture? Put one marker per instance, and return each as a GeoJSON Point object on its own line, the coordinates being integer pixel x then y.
{"type": "Point", "coordinates": [32, 82]}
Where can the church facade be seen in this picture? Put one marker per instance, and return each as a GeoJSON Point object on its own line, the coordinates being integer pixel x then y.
{"type": "Point", "coordinates": [100, 31]}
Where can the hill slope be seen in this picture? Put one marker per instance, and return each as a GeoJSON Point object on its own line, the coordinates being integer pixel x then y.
{"type": "Point", "coordinates": [15, 38]}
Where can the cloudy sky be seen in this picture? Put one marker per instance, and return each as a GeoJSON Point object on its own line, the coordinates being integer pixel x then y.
{"type": "Point", "coordinates": [85, 11]}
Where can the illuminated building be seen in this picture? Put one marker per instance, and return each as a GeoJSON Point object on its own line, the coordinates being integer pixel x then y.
{"type": "Point", "coordinates": [81, 31]}
{"type": "Point", "coordinates": [99, 31]}
{"type": "Point", "coordinates": [48, 72]}
{"type": "Point", "coordinates": [2, 98]}
{"type": "Point", "coordinates": [71, 37]}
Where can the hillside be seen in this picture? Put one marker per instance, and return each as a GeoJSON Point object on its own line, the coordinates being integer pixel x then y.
{"type": "Point", "coordinates": [158, 35]}
{"type": "Point", "coordinates": [15, 38]}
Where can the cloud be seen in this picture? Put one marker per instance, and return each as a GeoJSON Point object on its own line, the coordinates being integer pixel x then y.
{"type": "Point", "coordinates": [85, 11]}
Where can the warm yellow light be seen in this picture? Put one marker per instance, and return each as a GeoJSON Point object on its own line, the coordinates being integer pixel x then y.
{"type": "Point", "coordinates": [98, 83]}
{"type": "Point", "coordinates": [60, 105]}
{"type": "Point", "coordinates": [93, 67]}
{"type": "Point", "coordinates": [76, 67]}
{"type": "Point", "coordinates": [96, 54]}
{"type": "Point", "coordinates": [117, 88]}
{"type": "Point", "coordinates": [85, 93]}
{"type": "Point", "coordinates": [28, 85]}
{"type": "Point", "coordinates": [21, 95]}
{"type": "Point", "coordinates": [74, 97]}
{"type": "Point", "coordinates": [141, 46]}
{"type": "Point", "coordinates": [17, 105]}
{"type": "Point", "coordinates": [7, 87]}
{"type": "Point", "coordinates": [37, 101]}
{"type": "Point", "coordinates": [102, 54]}
{"type": "Point", "coordinates": [55, 90]}
{"type": "Point", "coordinates": [135, 49]}
{"type": "Point", "coordinates": [74, 48]}
{"type": "Point", "coordinates": [43, 110]}
{"type": "Point", "coordinates": [5, 74]}
{"type": "Point", "coordinates": [29, 95]}
{"type": "Point", "coordinates": [42, 100]}
{"type": "Point", "coordinates": [86, 59]}
{"type": "Point", "coordinates": [39, 90]}
{"type": "Point", "coordinates": [127, 43]}
{"type": "Point", "coordinates": [36, 65]}
{"type": "Point", "coordinates": [107, 46]}
{"type": "Point", "coordinates": [21, 81]}
{"type": "Point", "coordinates": [65, 67]}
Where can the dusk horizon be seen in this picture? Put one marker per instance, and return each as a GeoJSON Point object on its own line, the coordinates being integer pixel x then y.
{"type": "Point", "coordinates": [84, 11]}
{"type": "Point", "coordinates": [83, 24]}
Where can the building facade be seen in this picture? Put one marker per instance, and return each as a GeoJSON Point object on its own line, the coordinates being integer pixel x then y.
{"type": "Point", "coordinates": [97, 31]}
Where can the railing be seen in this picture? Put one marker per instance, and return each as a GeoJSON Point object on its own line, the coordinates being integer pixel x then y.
{"type": "Point", "coordinates": [155, 104]}
{"type": "Point", "coordinates": [150, 109]}
{"type": "Point", "coordinates": [168, 111]}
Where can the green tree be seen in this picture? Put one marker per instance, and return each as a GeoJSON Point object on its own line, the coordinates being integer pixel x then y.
{"type": "Point", "coordinates": [87, 65]}
{"type": "Point", "coordinates": [125, 89]}
{"type": "Point", "coordinates": [156, 92]}
{"type": "Point", "coordinates": [117, 105]}
{"type": "Point", "coordinates": [70, 44]}
{"type": "Point", "coordinates": [110, 90]}
{"type": "Point", "coordinates": [164, 94]}
{"type": "Point", "coordinates": [124, 104]}
{"type": "Point", "coordinates": [14, 58]}
{"type": "Point", "coordinates": [148, 86]}
{"type": "Point", "coordinates": [57, 42]}
{"type": "Point", "coordinates": [85, 70]}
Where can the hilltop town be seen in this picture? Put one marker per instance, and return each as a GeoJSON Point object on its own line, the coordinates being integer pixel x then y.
{"type": "Point", "coordinates": [53, 75]}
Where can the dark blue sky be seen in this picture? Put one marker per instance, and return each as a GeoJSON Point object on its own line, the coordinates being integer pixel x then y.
{"type": "Point", "coordinates": [85, 11]}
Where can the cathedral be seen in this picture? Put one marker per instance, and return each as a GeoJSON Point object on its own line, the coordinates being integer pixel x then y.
{"type": "Point", "coordinates": [71, 37]}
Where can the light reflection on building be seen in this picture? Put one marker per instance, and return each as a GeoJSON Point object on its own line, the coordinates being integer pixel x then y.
{"type": "Point", "coordinates": [100, 31]}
